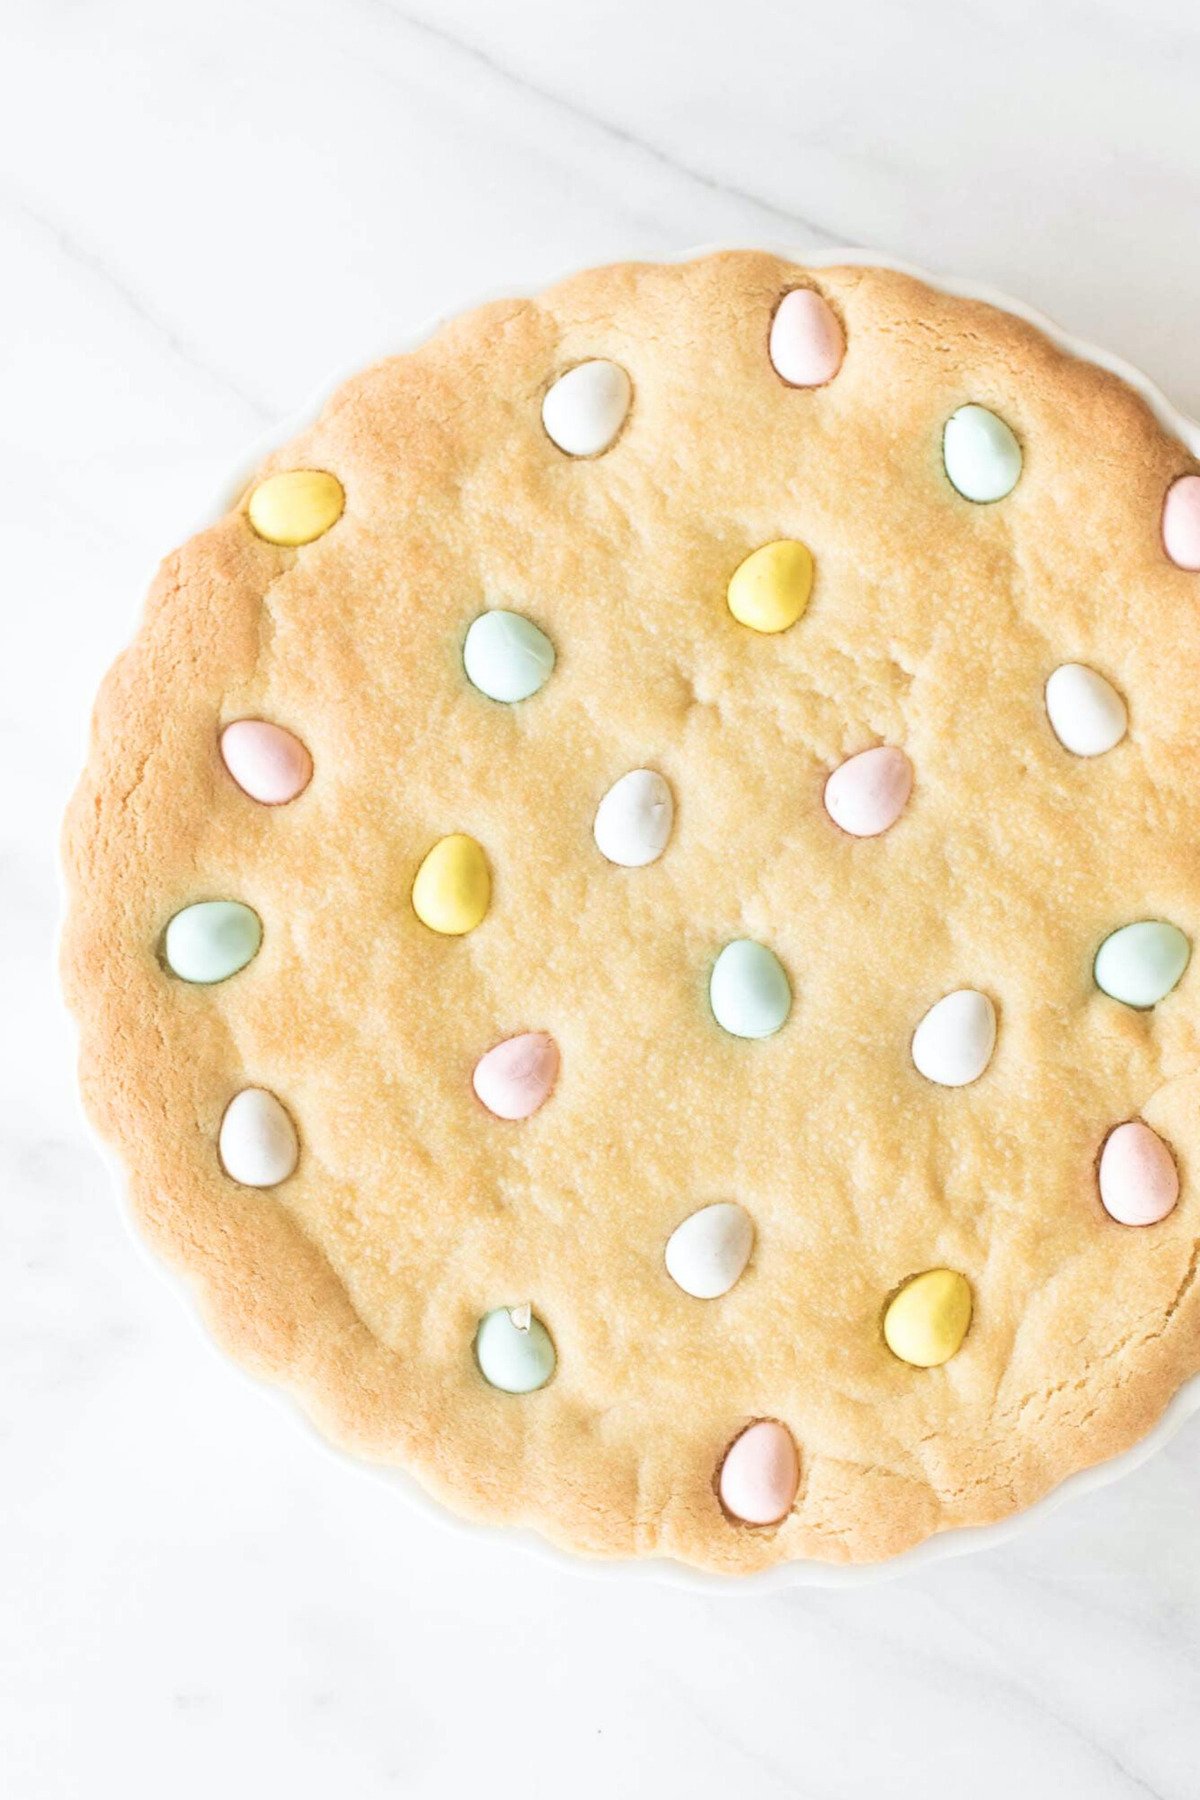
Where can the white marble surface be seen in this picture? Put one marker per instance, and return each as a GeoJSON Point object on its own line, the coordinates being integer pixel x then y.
{"type": "Point", "coordinates": [202, 209]}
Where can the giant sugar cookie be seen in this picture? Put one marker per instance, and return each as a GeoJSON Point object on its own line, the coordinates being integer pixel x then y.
{"type": "Point", "coordinates": [632, 914]}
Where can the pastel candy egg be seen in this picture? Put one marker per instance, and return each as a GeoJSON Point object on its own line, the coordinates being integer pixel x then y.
{"type": "Point", "coordinates": [954, 1042]}
{"type": "Point", "coordinates": [633, 821]}
{"type": "Point", "coordinates": [296, 506]}
{"type": "Point", "coordinates": [760, 1474]}
{"type": "Point", "coordinates": [1181, 522]}
{"type": "Point", "coordinates": [266, 761]}
{"type": "Point", "coordinates": [258, 1144]}
{"type": "Point", "coordinates": [1086, 713]}
{"type": "Point", "coordinates": [514, 1350]}
{"type": "Point", "coordinates": [928, 1319]}
{"type": "Point", "coordinates": [212, 940]}
{"type": "Point", "coordinates": [1140, 963]}
{"type": "Point", "coordinates": [1139, 1183]}
{"type": "Point", "coordinates": [706, 1255]}
{"type": "Point", "coordinates": [981, 454]}
{"type": "Point", "coordinates": [453, 887]}
{"type": "Point", "coordinates": [506, 656]}
{"type": "Point", "coordinates": [748, 990]}
{"type": "Point", "coordinates": [770, 589]}
{"type": "Point", "coordinates": [867, 793]}
{"type": "Point", "coordinates": [586, 407]}
{"type": "Point", "coordinates": [807, 343]}
{"type": "Point", "coordinates": [517, 1076]}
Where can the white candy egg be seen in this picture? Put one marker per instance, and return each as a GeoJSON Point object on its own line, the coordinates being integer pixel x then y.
{"type": "Point", "coordinates": [954, 1042]}
{"type": "Point", "coordinates": [1086, 713]}
{"type": "Point", "coordinates": [706, 1255]}
{"type": "Point", "coordinates": [634, 819]}
{"type": "Point", "coordinates": [258, 1143]}
{"type": "Point", "coordinates": [586, 407]}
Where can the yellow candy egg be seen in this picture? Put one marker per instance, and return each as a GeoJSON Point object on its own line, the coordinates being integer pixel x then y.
{"type": "Point", "coordinates": [296, 506]}
{"type": "Point", "coordinates": [453, 887]}
{"type": "Point", "coordinates": [926, 1322]}
{"type": "Point", "coordinates": [770, 590]}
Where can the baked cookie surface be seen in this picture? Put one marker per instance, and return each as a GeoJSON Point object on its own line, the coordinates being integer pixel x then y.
{"type": "Point", "coordinates": [699, 739]}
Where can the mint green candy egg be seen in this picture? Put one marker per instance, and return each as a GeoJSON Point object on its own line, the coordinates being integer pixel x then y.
{"type": "Point", "coordinates": [212, 940]}
{"type": "Point", "coordinates": [506, 656]}
{"type": "Point", "coordinates": [1141, 963]}
{"type": "Point", "coordinates": [514, 1350]}
{"type": "Point", "coordinates": [981, 454]}
{"type": "Point", "coordinates": [749, 991]}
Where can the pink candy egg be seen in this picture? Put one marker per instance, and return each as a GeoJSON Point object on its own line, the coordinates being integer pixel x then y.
{"type": "Point", "coordinates": [516, 1077]}
{"type": "Point", "coordinates": [760, 1474]}
{"type": "Point", "coordinates": [1139, 1183]}
{"type": "Point", "coordinates": [807, 344]}
{"type": "Point", "coordinates": [266, 761]}
{"type": "Point", "coordinates": [869, 791]}
{"type": "Point", "coordinates": [1181, 522]}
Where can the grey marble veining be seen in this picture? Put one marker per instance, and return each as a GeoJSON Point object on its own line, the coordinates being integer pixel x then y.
{"type": "Point", "coordinates": [202, 210]}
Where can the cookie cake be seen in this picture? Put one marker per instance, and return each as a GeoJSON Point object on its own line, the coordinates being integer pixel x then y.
{"type": "Point", "coordinates": [632, 907]}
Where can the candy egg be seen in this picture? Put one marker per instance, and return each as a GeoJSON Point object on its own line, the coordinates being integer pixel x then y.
{"type": "Point", "coordinates": [506, 656]}
{"type": "Point", "coordinates": [807, 343]}
{"type": "Point", "coordinates": [953, 1044]}
{"type": "Point", "coordinates": [981, 454]}
{"type": "Point", "coordinates": [1086, 713]}
{"type": "Point", "coordinates": [212, 940]}
{"type": "Point", "coordinates": [266, 761]}
{"type": "Point", "coordinates": [926, 1322]}
{"type": "Point", "coordinates": [296, 506]}
{"type": "Point", "coordinates": [867, 793]}
{"type": "Point", "coordinates": [706, 1255]}
{"type": "Point", "coordinates": [1139, 1183]}
{"type": "Point", "coordinates": [633, 821]}
{"type": "Point", "coordinates": [586, 407]}
{"type": "Point", "coordinates": [1139, 964]}
{"type": "Point", "coordinates": [1181, 522]}
{"type": "Point", "coordinates": [258, 1145]}
{"type": "Point", "coordinates": [748, 990]}
{"type": "Point", "coordinates": [453, 887]}
{"type": "Point", "coordinates": [760, 1474]}
{"type": "Point", "coordinates": [770, 589]}
{"type": "Point", "coordinates": [514, 1350]}
{"type": "Point", "coordinates": [516, 1077]}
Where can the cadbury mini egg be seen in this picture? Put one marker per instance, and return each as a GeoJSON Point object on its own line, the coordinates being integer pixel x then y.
{"type": "Point", "coordinates": [506, 656]}
{"type": "Point", "coordinates": [770, 589]}
{"type": "Point", "coordinates": [760, 1474]}
{"type": "Point", "coordinates": [707, 1253]}
{"type": "Point", "coordinates": [1139, 964]}
{"type": "Point", "coordinates": [807, 343]}
{"type": "Point", "coordinates": [516, 1077]}
{"type": "Point", "coordinates": [514, 1350]}
{"type": "Point", "coordinates": [453, 888]}
{"type": "Point", "coordinates": [585, 409]}
{"type": "Point", "coordinates": [258, 1144]}
{"type": "Point", "coordinates": [866, 794]}
{"type": "Point", "coordinates": [953, 1044]}
{"type": "Point", "coordinates": [267, 762]}
{"type": "Point", "coordinates": [749, 991]}
{"type": "Point", "coordinates": [981, 454]}
{"type": "Point", "coordinates": [1138, 1180]}
{"type": "Point", "coordinates": [1086, 713]}
{"type": "Point", "coordinates": [633, 821]}
{"type": "Point", "coordinates": [211, 940]}
{"type": "Point", "coordinates": [926, 1322]}
{"type": "Point", "coordinates": [296, 506]}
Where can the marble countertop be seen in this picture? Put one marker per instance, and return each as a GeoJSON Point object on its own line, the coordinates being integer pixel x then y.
{"type": "Point", "coordinates": [203, 210]}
